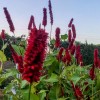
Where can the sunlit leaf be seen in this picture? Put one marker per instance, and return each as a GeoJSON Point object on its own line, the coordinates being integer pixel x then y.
{"type": "Point", "coordinates": [20, 50]}
{"type": "Point", "coordinates": [2, 57]}
{"type": "Point", "coordinates": [64, 37]}
{"type": "Point", "coordinates": [4, 46]}
{"type": "Point", "coordinates": [53, 78]}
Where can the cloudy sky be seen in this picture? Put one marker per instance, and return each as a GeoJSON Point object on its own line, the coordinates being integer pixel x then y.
{"type": "Point", "coordinates": [86, 14]}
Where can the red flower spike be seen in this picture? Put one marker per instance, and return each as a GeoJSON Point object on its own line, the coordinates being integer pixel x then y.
{"type": "Point", "coordinates": [31, 22]}
{"type": "Point", "coordinates": [64, 59]}
{"type": "Point", "coordinates": [77, 91]}
{"type": "Point", "coordinates": [12, 29]}
{"type": "Point", "coordinates": [59, 57]}
{"type": "Point", "coordinates": [72, 50]}
{"type": "Point", "coordinates": [74, 31]}
{"type": "Point", "coordinates": [3, 34]}
{"type": "Point", "coordinates": [81, 60]}
{"type": "Point", "coordinates": [71, 43]}
{"type": "Point", "coordinates": [68, 57]}
{"type": "Point", "coordinates": [99, 63]}
{"type": "Point", "coordinates": [34, 55]}
{"type": "Point", "coordinates": [70, 23]}
{"type": "Point", "coordinates": [44, 22]}
{"type": "Point", "coordinates": [20, 64]}
{"type": "Point", "coordinates": [50, 12]}
{"type": "Point", "coordinates": [96, 53]}
{"type": "Point", "coordinates": [57, 42]}
{"type": "Point", "coordinates": [96, 59]}
{"type": "Point", "coordinates": [69, 36]}
{"type": "Point", "coordinates": [92, 73]}
{"type": "Point", "coordinates": [77, 53]}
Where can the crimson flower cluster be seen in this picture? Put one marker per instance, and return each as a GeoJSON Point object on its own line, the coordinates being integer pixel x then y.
{"type": "Point", "coordinates": [31, 65]}
{"type": "Point", "coordinates": [57, 36]}
{"type": "Point", "coordinates": [69, 36]}
{"type": "Point", "coordinates": [71, 33]}
{"type": "Point", "coordinates": [72, 49]}
{"type": "Point", "coordinates": [70, 23]}
{"type": "Point", "coordinates": [2, 35]}
{"type": "Point", "coordinates": [77, 91]}
{"type": "Point", "coordinates": [50, 12]}
{"type": "Point", "coordinates": [9, 20]}
{"type": "Point", "coordinates": [67, 57]}
{"type": "Point", "coordinates": [92, 72]}
{"type": "Point", "coordinates": [44, 22]}
{"type": "Point", "coordinates": [34, 55]}
{"type": "Point", "coordinates": [96, 64]}
{"type": "Point", "coordinates": [31, 23]}
{"type": "Point", "coordinates": [96, 58]}
{"type": "Point", "coordinates": [60, 55]}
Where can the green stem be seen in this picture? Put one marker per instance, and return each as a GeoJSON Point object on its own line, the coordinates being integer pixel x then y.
{"type": "Point", "coordinates": [50, 32]}
{"type": "Point", "coordinates": [50, 37]}
{"type": "Point", "coordinates": [29, 91]}
{"type": "Point", "coordinates": [3, 45]}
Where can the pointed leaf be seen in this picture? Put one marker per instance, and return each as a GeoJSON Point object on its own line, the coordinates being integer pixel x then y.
{"type": "Point", "coordinates": [2, 57]}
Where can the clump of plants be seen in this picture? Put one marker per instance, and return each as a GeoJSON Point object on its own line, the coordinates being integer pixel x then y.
{"type": "Point", "coordinates": [46, 70]}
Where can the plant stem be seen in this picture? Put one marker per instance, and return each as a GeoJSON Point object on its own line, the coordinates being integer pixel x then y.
{"type": "Point", "coordinates": [3, 45]}
{"type": "Point", "coordinates": [50, 32]}
{"type": "Point", "coordinates": [50, 37]}
{"type": "Point", "coordinates": [29, 91]}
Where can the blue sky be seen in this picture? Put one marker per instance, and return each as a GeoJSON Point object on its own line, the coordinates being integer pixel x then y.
{"type": "Point", "coordinates": [86, 14]}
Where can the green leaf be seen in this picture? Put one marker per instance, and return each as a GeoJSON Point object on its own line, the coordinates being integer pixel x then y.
{"type": "Point", "coordinates": [52, 41]}
{"type": "Point", "coordinates": [68, 72]}
{"type": "Point", "coordinates": [54, 68]}
{"type": "Point", "coordinates": [49, 60]}
{"type": "Point", "coordinates": [61, 99]}
{"type": "Point", "coordinates": [54, 92]}
{"type": "Point", "coordinates": [53, 78]}
{"type": "Point", "coordinates": [42, 94]}
{"type": "Point", "coordinates": [14, 98]}
{"type": "Point", "coordinates": [8, 88]}
{"type": "Point", "coordinates": [20, 50]}
{"type": "Point", "coordinates": [64, 37]}
{"type": "Point", "coordinates": [4, 46]}
{"type": "Point", "coordinates": [11, 72]}
{"type": "Point", "coordinates": [32, 96]}
{"type": "Point", "coordinates": [41, 91]}
{"type": "Point", "coordinates": [98, 81]}
{"type": "Point", "coordinates": [1, 80]}
{"type": "Point", "coordinates": [23, 83]}
{"type": "Point", "coordinates": [75, 78]}
{"type": "Point", "coordinates": [2, 57]}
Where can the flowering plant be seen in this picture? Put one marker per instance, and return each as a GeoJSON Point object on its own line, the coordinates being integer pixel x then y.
{"type": "Point", "coordinates": [56, 74]}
